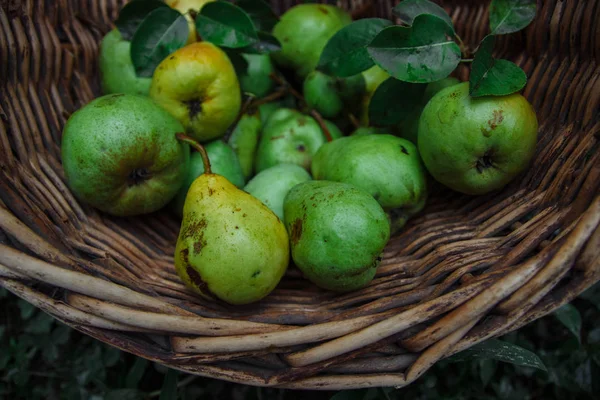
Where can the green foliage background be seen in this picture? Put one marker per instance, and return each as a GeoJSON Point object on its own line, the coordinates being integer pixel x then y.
{"type": "Point", "coordinates": [41, 358]}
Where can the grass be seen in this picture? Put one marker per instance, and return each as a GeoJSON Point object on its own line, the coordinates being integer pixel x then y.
{"type": "Point", "coordinates": [41, 358]}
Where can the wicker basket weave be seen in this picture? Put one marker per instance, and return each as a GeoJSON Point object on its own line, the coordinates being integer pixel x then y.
{"type": "Point", "coordinates": [464, 270]}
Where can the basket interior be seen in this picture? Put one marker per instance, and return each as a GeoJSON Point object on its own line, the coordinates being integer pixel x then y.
{"type": "Point", "coordinates": [456, 240]}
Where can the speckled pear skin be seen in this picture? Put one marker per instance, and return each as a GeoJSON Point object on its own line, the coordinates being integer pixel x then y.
{"type": "Point", "coordinates": [223, 161]}
{"type": "Point", "coordinates": [387, 167]}
{"type": "Point", "coordinates": [230, 246]}
{"type": "Point", "coordinates": [303, 32]}
{"type": "Point", "coordinates": [120, 155]}
{"type": "Point", "coordinates": [244, 140]}
{"type": "Point", "coordinates": [198, 85]}
{"type": "Point", "coordinates": [290, 137]}
{"type": "Point", "coordinates": [476, 145]}
{"type": "Point", "coordinates": [337, 233]}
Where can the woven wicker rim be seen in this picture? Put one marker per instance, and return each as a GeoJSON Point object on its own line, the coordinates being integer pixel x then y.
{"type": "Point", "coordinates": [465, 270]}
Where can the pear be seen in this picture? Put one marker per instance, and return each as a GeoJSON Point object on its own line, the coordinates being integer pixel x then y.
{"type": "Point", "coordinates": [224, 162]}
{"type": "Point", "coordinates": [367, 130]}
{"type": "Point", "coordinates": [387, 167]}
{"type": "Point", "coordinates": [256, 78]}
{"type": "Point", "coordinates": [337, 233]}
{"type": "Point", "coordinates": [330, 95]}
{"type": "Point", "coordinates": [303, 32]}
{"type": "Point", "coordinates": [244, 140]}
{"type": "Point", "coordinates": [272, 185]}
{"type": "Point", "coordinates": [230, 244]}
{"type": "Point", "coordinates": [290, 137]}
{"type": "Point", "coordinates": [117, 74]}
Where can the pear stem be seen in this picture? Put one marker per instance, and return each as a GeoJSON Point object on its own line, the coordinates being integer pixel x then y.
{"type": "Point", "coordinates": [297, 95]}
{"type": "Point", "coordinates": [288, 87]}
{"type": "Point", "coordinates": [321, 123]}
{"type": "Point", "coordinates": [353, 120]}
{"type": "Point", "coordinates": [186, 139]}
{"type": "Point", "coordinates": [267, 99]}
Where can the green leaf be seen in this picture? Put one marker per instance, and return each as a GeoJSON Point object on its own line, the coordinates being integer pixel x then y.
{"type": "Point", "coordinates": [239, 63]}
{"type": "Point", "coordinates": [583, 376]}
{"type": "Point", "coordinates": [408, 10]}
{"type": "Point", "coordinates": [492, 77]}
{"type": "Point", "coordinates": [60, 334]}
{"type": "Point", "coordinates": [136, 372]}
{"type": "Point", "coordinates": [419, 54]}
{"type": "Point", "coordinates": [508, 16]}
{"type": "Point", "coordinates": [260, 12]}
{"type": "Point", "coordinates": [162, 32]}
{"type": "Point", "coordinates": [132, 15]}
{"type": "Point", "coordinates": [592, 295]}
{"type": "Point", "coordinates": [266, 44]}
{"type": "Point", "coordinates": [393, 101]}
{"type": "Point", "coordinates": [493, 349]}
{"type": "Point", "coordinates": [124, 394]}
{"type": "Point", "coordinates": [27, 309]}
{"type": "Point", "coordinates": [359, 394]}
{"type": "Point", "coordinates": [487, 369]}
{"type": "Point", "coordinates": [571, 318]}
{"type": "Point", "coordinates": [226, 25]}
{"type": "Point", "coordinates": [168, 391]}
{"type": "Point", "coordinates": [345, 54]}
{"type": "Point", "coordinates": [41, 323]}
{"type": "Point", "coordinates": [110, 356]}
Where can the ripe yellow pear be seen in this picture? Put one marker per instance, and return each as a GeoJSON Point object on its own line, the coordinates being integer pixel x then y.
{"type": "Point", "coordinates": [198, 85]}
{"type": "Point", "coordinates": [230, 244]}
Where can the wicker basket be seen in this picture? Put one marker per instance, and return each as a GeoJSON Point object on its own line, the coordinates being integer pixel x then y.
{"type": "Point", "coordinates": [466, 269]}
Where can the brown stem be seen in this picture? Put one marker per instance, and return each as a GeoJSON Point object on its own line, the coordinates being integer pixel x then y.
{"type": "Point", "coordinates": [267, 99]}
{"type": "Point", "coordinates": [354, 121]}
{"type": "Point", "coordinates": [192, 142]}
{"type": "Point", "coordinates": [464, 50]}
{"type": "Point", "coordinates": [321, 123]}
{"type": "Point", "coordinates": [283, 83]}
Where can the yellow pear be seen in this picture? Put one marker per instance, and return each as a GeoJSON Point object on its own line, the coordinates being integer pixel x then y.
{"type": "Point", "coordinates": [230, 244]}
{"type": "Point", "coordinates": [184, 6]}
{"type": "Point", "coordinates": [198, 85]}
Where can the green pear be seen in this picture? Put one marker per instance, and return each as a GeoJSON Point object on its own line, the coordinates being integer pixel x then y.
{"type": "Point", "coordinates": [120, 154]}
{"type": "Point", "coordinates": [272, 185]}
{"type": "Point", "coordinates": [244, 139]}
{"type": "Point", "coordinates": [223, 161]}
{"type": "Point", "coordinates": [303, 32]}
{"type": "Point", "coordinates": [367, 130]}
{"type": "Point", "coordinates": [330, 95]}
{"type": "Point", "coordinates": [256, 78]}
{"type": "Point", "coordinates": [398, 217]}
{"type": "Point", "coordinates": [117, 74]}
{"type": "Point", "coordinates": [290, 137]}
{"type": "Point", "coordinates": [409, 127]}
{"type": "Point", "coordinates": [230, 244]}
{"type": "Point", "coordinates": [337, 233]}
{"type": "Point", "coordinates": [434, 87]}
{"type": "Point", "coordinates": [385, 166]}
{"type": "Point", "coordinates": [373, 77]}
{"type": "Point", "coordinates": [267, 109]}
{"type": "Point", "coordinates": [476, 145]}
